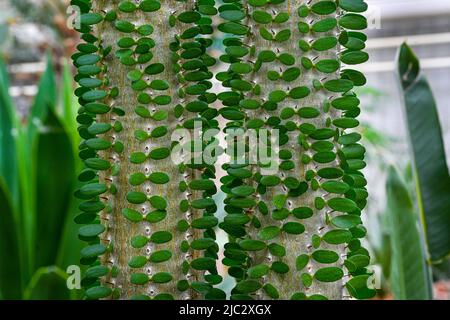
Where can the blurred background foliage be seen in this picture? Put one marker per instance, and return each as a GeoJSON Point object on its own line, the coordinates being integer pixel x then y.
{"type": "Point", "coordinates": [38, 165]}
{"type": "Point", "coordinates": [407, 215]}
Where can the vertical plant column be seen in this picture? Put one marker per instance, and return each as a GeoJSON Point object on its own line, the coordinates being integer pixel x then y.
{"type": "Point", "coordinates": [295, 233]}
{"type": "Point", "coordinates": [143, 73]}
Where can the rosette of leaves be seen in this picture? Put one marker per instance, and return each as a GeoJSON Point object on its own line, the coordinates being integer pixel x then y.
{"type": "Point", "coordinates": [296, 233]}
{"type": "Point", "coordinates": [143, 71]}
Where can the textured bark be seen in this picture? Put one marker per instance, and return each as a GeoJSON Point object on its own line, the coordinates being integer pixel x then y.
{"type": "Point", "coordinates": [119, 229]}
{"type": "Point", "coordinates": [320, 87]}
{"type": "Point", "coordinates": [186, 198]}
{"type": "Point", "coordinates": [290, 283]}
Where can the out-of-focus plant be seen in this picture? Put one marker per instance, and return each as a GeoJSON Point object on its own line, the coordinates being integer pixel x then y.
{"type": "Point", "coordinates": [408, 248]}
{"type": "Point", "coordinates": [410, 274]}
{"type": "Point", "coordinates": [429, 162]}
{"type": "Point", "coordinates": [37, 178]}
{"type": "Point", "coordinates": [399, 244]}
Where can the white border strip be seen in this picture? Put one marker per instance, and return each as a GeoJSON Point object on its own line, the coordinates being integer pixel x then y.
{"type": "Point", "coordinates": [28, 91]}
{"type": "Point", "coordinates": [388, 66]}
{"type": "Point", "coordinates": [28, 67]}
{"type": "Point", "coordinates": [412, 40]}
{"type": "Point", "coordinates": [391, 9]}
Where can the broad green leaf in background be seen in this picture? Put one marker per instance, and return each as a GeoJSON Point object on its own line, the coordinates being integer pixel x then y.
{"type": "Point", "coordinates": [431, 171]}
{"type": "Point", "coordinates": [382, 249]}
{"type": "Point", "coordinates": [48, 283]}
{"type": "Point", "coordinates": [8, 160]}
{"type": "Point", "coordinates": [410, 276]}
{"type": "Point", "coordinates": [46, 163]}
{"type": "Point", "coordinates": [26, 206]}
{"type": "Point", "coordinates": [44, 101]}
{"type": "Point", "coordinates": [68, 105]}
{"type": "Point", "coordinates": [10, 277]}
{"type": "Point", "coordinates": [69, 246]}
{"type": "Point", "coordinates": [54, 184]}
{"type": "Point", "coordinates": [10, 163]}
{"type": "Point", "coordinates": [68, 253]}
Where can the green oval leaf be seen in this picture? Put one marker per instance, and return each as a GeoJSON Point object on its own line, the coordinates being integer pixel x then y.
{"type": "Point", "coordinates": [335, 187]}
{"type": "Point", "coordinates": [337, 236]}
{"type": "Point", "coordinates": [258, 271]}
{"type": "Point", "coordinates": [124, 26]}
{"type": "Point", "coordinates": [325, 256]}
{"type": "Point", "coordinates": [136, 197]}
{"type": "Point", "coordinates": [160, 256]}
{"type": "Point", "coordinates": [252, 245]}
{"type": "Point", "coordinates": [248, 286]}
{"type": "Point", "coordinates": [203, 263]}
{"type": "Point", "coordinates": [204, 222]}
{"type": "Point", "coordinates": [325, 43]}
{"type": "Point", "coordinates": [338, 85]}
{"type": "Point", "coordinates": [353, 21]}
{"type": "Point", "coordinates": [353, 5]}
{"type": "Point", "coordinates": [189, 16]}
{"type": "Point", "coordinates": [261, 17]}
{"type": "Point", "coordinates": [233, 28]}
{"type": "Point", "coordinates": [342, 204]}
{"type": "Point", "coordinates": [92, 230]}
{"type": "Point", "coordinates": [156, 216]}
{"type": "Point", "coordinates": [132, 215]}
{"type": "Point", "coordinates": [301, 261]}
{"type": "Point", "coordinates": [137, 262]}
{"type": "Point", "coordinates": [269, 233]}
{"type": "Point", "coordinates": [150, 5]}
{"type": "Point", "coordinates": [139, 278]}
{"type": "Point", "coordinates": [98, 292]}
{"type": "Point", "coordinates": [303, 212]}
{"type": "Point", "coordinates": [162, 277]}
{"type": "Point", "coordinates": [328, 65]}
{"type": "Point", "coordinates": [354, 57]}
{"type": "Point", "coordinates": [159, 237]}
{"type": "Point", "coordinates": [159, 178]}
{"type": "Point", "coordinates": [91, 18]}
{"type": "Point", "coordinates": [293, 228]}
{"type": "Point", "coordinates": [323, 7]}
{"type": "Point", "coordinates": [329, 274]}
